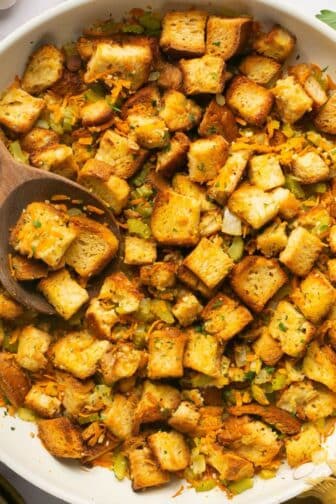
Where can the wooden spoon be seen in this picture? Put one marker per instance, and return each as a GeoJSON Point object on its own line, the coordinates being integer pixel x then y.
{"type": "Point", "coordinates": [20, 185]}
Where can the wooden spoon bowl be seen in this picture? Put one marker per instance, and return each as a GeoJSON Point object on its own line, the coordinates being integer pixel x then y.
{"type": "Point", "coordinates": [20, 185]}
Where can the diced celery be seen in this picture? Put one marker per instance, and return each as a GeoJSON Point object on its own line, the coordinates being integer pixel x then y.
{"type": "Point", "coordinates": [259, 395]}
{"type": "Point", "coordinates": [317, 188]}
{"type": "Point", "coordinates": [27, 415]}
{"type": "Point", "coordinates": [83, 420]}
{"type": "Point", "coordinates": [145, 210]}
{"type": "Point", "coordinates": [132, 28]}
{"type": "Point", "coordinates": [139, 179]}
{"type": "Point", "coordinates": [205, 485]}
{"type": "Point", "coordinates": [69, 119]}
{"type": "Point", "coordinates": [10, 344]}
{"type": "Point", "coordinates": [144, 191]}
{"type": "Point", "coordinates": [70, 49]}
{"type": "Point", "coordinates": [17, 152]}
{"type": "Point", "coordinates": [42, 123]}
{"type": "Point", "coordinates": [57, 127]}
{"type": "Point", "coordinates": [198, 464]}
{"type": "Point", "coordinates": [95, 92]}
{"type": "Point", "coordinates": [236, 248]}
{"type": "Point", "coordinates": [200, 380]}
{"type": "Point", "coordinates": [162, 310]}
{"type": "Point", "coordinates": [238, 487]}
{"type": "Point", "coordinates": [279, 381]}
{"type": "Point", "coordinates": [295, 187]}
{"type": "Point", "coordinates": [144, 313]}
{"type": "Point", "coordinates": [120, 466]}
{"type": "Point", "coordinates": [151, 23]}
{"type": "Point", "coordinates": [140, 336]}
{"type": "Point", "coordinates": [139, 228]}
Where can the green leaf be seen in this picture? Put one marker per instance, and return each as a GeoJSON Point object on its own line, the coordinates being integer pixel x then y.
{"type": "Point", "coordinates": [328, 17]}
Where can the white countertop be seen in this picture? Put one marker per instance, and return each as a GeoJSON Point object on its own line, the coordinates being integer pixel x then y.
{"type": "Point", "coordinates": [9, 20]}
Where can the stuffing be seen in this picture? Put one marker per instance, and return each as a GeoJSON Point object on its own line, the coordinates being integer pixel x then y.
{"type": "Point", "coordinates": [332, 270]}
{"type": "Point", "coordinates": [45, 405]}
{"type": "Point", "coordinates": [202, 353]}
{"type": "Point", "coordinates": [277, 43]}
{"type": "Point", "coordinates": [173, 156]}
{"type": "Point", "coordinates": [9, 308]}
{"type": "Point", "coordinates": [101, 316]}
{"type": "Point", "coordinates": [332, 239]}
{"type": "Point", "coordinates": [183, 33]}
{"type": "Point", "coordinates": [170, 450]}
{"type": "Point", "coordinates": [19, 110]}
{"type": "Point", "coordinates": [249, 100]}
{"type": "Point", "coordinates": [38, 138]}
{"type": "Point", "coordinates": [273, 240]}
{"type": "Point", "coordinates": [267, 348]}
{"type": "Point", "coordinates": [24, 269]}
{"type": "Point", "coordinates": [325, 119]}
{"type": "Point", "coordinates": [211, 420]}
{"type": "Point", "coordinates": [156, 402]}
{"type": "Point", "coordinates": [160, 275]}
{"type": "Point", "coordinates": [96, 113]}
{"type": "Point", "coordinates": [120, 361]}
{"type": "Point", "coordinates": [206, 157]}
{"type": "Point", "coordinates": [119, 417]}
{"type": "Point", "coordinates": [301, 448]}
{"type": "Point", "coordinates": [229, 176]}
{"type": "Point", "coordinates": [182, 184]}
{"type": "Point", "coordinates": [165, 353]}
{"type": "Point", "coordinates": [281, 420]}
{"type": "Point", "coordinates": [291, 99]}
{"type": "Point", "coordinates": [187, 308]}
{"type": "Point", "coordinates": [265, 172]}
{"type": "Point", "coordinates": [193, 282]}
{"type": "Point", "coordinates": [256, 279]}
{"type": "Point", "coordinates": [57, 158]}
{"type": "Point", "coordinates": [311, 81]}
{"type": "Point", "coordinates": [260, 69]}
{"type": "Point", "coordinates": [144, 470]}
{"type": "Point", "coordinates": [309, 167]}
{"type": "Point", "coordinates": [76, 394]}
{"type": "Point", "coordinates": [301, 251]}
{"type": "Point", "coordinates": [289, 205]}
{"type": "Point", "coordinates": [203, 75]}
{"type": "Point", "coordinates": [229, 466]}
{"type": "Point", "coordinates": [14, 382]}
{"type": "Point", "coordinates": [32, 348]}
{"type": "Point", "coordinates": [139, 251]}
{"type": "Point", "coordinates": [61, 438]}
{"type": "Point", "coordinates": [227, 36]}
{"type": "Point", "coordinates": [45, 68]}
{"type": "Point", "coordinates": [185, 418]}
{"type": "Point", "coordinates": [150, 132]}
{"type": "Point", "coordinates": [218, 120]}
{"type": "Point", "coordinates": [209, 262]}
{"type": "Point", "coordinates": [314, 296]}
{"type": "Point", "coordinates": [178, 112]}
{"type": "Point", "coordinates": [319, 365]}
{"type": "Point", "coordinates": [211, 222]}
{"type": "Point", "coordinates": [175, 219]}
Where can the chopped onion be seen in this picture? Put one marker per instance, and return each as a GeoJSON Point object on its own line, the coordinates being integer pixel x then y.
{"type": "Point", "coordinates": [232, 225]}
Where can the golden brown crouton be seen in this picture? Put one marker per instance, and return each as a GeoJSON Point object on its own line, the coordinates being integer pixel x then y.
{"type": "Point", "coordinates": [32, 348]}
{"type": "Point", "coordinates": [282, 421]}
{"type": "Point", "coordinates": [209, 262]}
{"type": "Point", "coordinates": [289, 205]}
{"type": "Point", "coordinates": [165, 358]}
{"type": "Point", "coordinates": [319, 365]}
{"type": "Point", "coordinates": [144, 470]}
{"type": "Point", "coordinates": [63, 293]}
{"type": "Point", "coordinates": [175, 219]}
{"type": "Point", "coordinates": [170, 75]}
{"type": "Point", "coordinates": [229, 176]}
{"type": "Point", "coordinates": [61, 438]}
{"type": "Point", "coordinates": [332, 270]}
{"type": "Point", "coordinates": [157, 402]}
{"type": "Point", "coordinates": [170, 450]}
{"type": "Point", "coordinates": [183, 33]}
{"type": "Point", "coordinates": [309, 167]}
{"type": "Point", "coordinates": [174, 155]}
{"type": "Point", "coordinates": [332, 239]}
{"type": "Point", "coordinates": [249, 100]}
{"type": "Point", "coordinates": [24, 269]}
{"type": "Point", "coordinates": [9, 308]}
{"type": "Point", "coordinates": [45, 67]}
{"type": "Point", "coordinates": [230, 466]}
{"type": "Point", "coordinates": [308, 77]}
{"type": "Point", "coordinates": [150, 132]}
{"type": "Point", "coordinates": [302, 250]}
{"type": "Point", "coordinates": [203, 75]}
{"type": "Point", "coordinates": [256, 279]}
{"type": "Point", "coordinates": [301, 448]}
{"type": "Point", "coordinates": [38, 138]}
{"type": "Point", "coordinates": [211, 222]}
{"type": "Point", "coordinates": [265, 172]}
{"type": "Point", "coordinates": [225, 317]}
{"type": "Point", "coordinates": [193, 282]}
{"type": "Point", "coordinates": [119, 417]}
{"type": "Point", "coordinates": [227, 36]}
{"type": "Point", "coordinates": [145, 102]}
{"type": "Point", "coordinates": [139, 251]}
{"type": "Point", "coordinates": [187, 308]}
{"type": "Point", "coordinates": [218, 120]}
{"type": "Point", "coordinates": [206, 157]}
{"type": "Point", "coordinates": [57, 158]}
{"type": "Point", "coordinates": [98, 112]}
{"type": "Point", "coordinates": [202, 353]}
{"type": "Point", "coordinates": [183, 185]}
{"type": "Point", "coordinates": [273, 240]}
{"type": "Point", "coordinates": [14, 382]}
{"type": "Point", "coordinates": [185, 418]}
{"type": "Point", "coordinates": [260, 69]}
{"type": "Point", "coordinates": [325, 119]}
{"type": "Point", "coordinates": [19, 110]}
{"type": "Point", "coordinates": [314, 296]}
{"type": "Point", "coordinates": [160, 275]}
{"type": "Point", "coordinates": [45, 405]}
{"type": "Point", "coordinates": [120, 361]}
{"type": "Point", "coordinates": [179, 112]}
{"type": "Point", "coordinates": [277, 43]}
{"type": "Point", "coordinates": [291, 99]}
{"type": "Point", "coordinates": [267, 348]}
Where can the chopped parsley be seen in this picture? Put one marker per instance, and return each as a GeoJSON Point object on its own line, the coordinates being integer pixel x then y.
{"type": "Point", "coordinates": [37, 224]}
{"type": "Point", "coordinates": [282, 327]}
{"type": "Point", "coordinates": [216, 43]}
{"type": "Point", "coordinates": [249, 376]}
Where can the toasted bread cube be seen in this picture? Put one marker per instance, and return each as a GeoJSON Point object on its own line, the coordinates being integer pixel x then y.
{"type": "Point", "coordinates": [277, 44]}
{"type": "Point", "coordinates": [193, 282]}
{"type": "Point", "coordinates": [61, 438]}
{"type": "Point", "coordinates": [63, 293]}
{"type": "Point", "coordinates": [187, 309]}
{"type": "Point", "coordinates": [229, 176]}
{"type": "Point", "coordinates": [273, 240]}
{"type": "Point", "coordinates": [211, 222]}
{"type": "Point", "coordinates": [139, 251]}
{"type": "Point", "coordinates": [42, 232]}
{"type": "Point", "coordinates": [183, 33]}
{"type": "Point", "coordinates": [265, 172]}
{"type": "Point", "coordinates": [183, 185]}
{"type": "Point", "coordinates": [209, 262]}
{"type": "Point", "coordinates": [96, 113]}
{"type": "Point", "coordinates": [170, 450]}
{"type": "Point", "coordinates": [45, 67]}
{"type": "Point", "coordinates": [332, 239]}
{"type": "Point", "coordinates": [145, 102]}
{"type": "Point", "coordinates": [281, 420]}
{"type": "Point", "coordinates": [325, 119]}
{"type": "Point", "coordinates": [38, 138]}
{"type": "Point", "coordinates": [57, 158]}
{"type": "Point", "coordinates": [253, 205]}
{"type": "Point", "coordinates": [332, 270]}
{"type": "Point", "coordinates": [267, 348]}
{"type": "Point", "coordinates": [289, 205]}
{"type": "Point", "coordinates": [203, 75]}
{"type": "Point", "coordinates": [291, 99]}
{"type": "Point", "coordinates": [170, 75]}
{"type": "Point", "coordinates": [289, 326]}
{"type": "Point", "coordinates": [119, 417]}
{"type": "Point", "coordinates": [206, 157]}
{"type": "Point", "coordinates": [249, 100]}
{"type": "Point", "coordinates": [96, 176]}
{"type": "Point", "coordinates": [32, 348]}
{"type": "Point", "coordinates": [123, 154]}
{"type": "Point", "coordinates": [160, 275]}
{"type": "Point", "coordinates": [319, 365]}
{"type": "Point", "coordinates": [230, 466]}
{"type": "Point", "coordinates": [24, 269]}
{"type": "Point", "coordinates": [14, 382]}
{"type": "Point", "coordinates": [256, 279]}
{"type": "Point", "coordinates": [45, 405]}
{"type": "Point", "coordinates": [307, 76]}
{"type": "Point", "coordinates": [202, 353]}
{"type": "Point", "coordinates": [225, 317]}
{"type": "Point", "coordinates": [260, 69]}
{"type": "Point", "coordinates": [19, 110]}
{"type": "Point", "coordinates": [301, 448]}
{"type": "Point", "coordinates": [174, 156]}
{"type": "Point", "coordinates": [78, 353]}
{"type": "Point", "coordinates": [179, 112]}
{"type": "Point", "coordinates": [302, 250]}
{"type": "Point", "coordinates": [157, 402]}
{"type": "Point", "coordinates": [165, 358]}
{"type": "Point", "coordinates": [175, 219]}
{"type": "Point", "coordinates": [218, 120]}
{"type": "Point", "coordinates": [111, 62]}
{"type": "Point", "coordinates": [314, 297]}
{"type": "Point", "coordinates": [227, 36]}
{"type": "Point", "coordinates": [185, 418]}
{"type": "Point", "coordinates": [94, 247]}
{"type": "Point", "coordinates": [150, 132]}
{"type": "Point", "coordinates": [145, 472]}
{"type": "Point", "coordinates": [9, 308]}
{"type": "Point", "coordinates": [309, 167]}
{"type": "Point", "coordinates": [101, 316]}
{"type": "Point", "coordinates": [121, 361]}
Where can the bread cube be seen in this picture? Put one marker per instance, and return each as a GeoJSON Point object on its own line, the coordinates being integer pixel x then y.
{"type": "Point", "coordinates": [45, 405]}
{"type": "Point", "coordinates": [256, 279]}
{"type": "Point", "coordinates": [179, 112]}
{"type": "Point", "coordinates": [32, 348]}
{"type": "Point", "coordinates": [209, 262]}
{"type": "Point", "coordinates": [14, 382]}
{"type": "Point", "coordinates": [175, 219]}
{"type": "Point", "coordinates": [183, 185]}
{"type": "Point", "coordinates": [229, 176]}
{"type": "Point", "coordinates": [265, 172]}
{"type": "Point", "coordinates": [319, 365]}
{"type": "Point", "coordinates": [249, 100]}
{"type": "Point", "coordinates": [193, 282]}
{"type": "Point", "coordinates": [19, 110]}
{"type": "Point", "coordinates": [144, 470]}
{"type": "Point", "coordinates": [301, 448]}
{"type": "Point", "coordinates": [170, 75]}
{"type": "Point", "coordinates": [203, 75]}
{"type": "Point", "coordinates": [57, 158]}
{"type": "Point", "coordinates": [165, 358]}
{"type": "Point", "coordinates": [63, 293]}
{"type": "Point", "coordinates": [309, 167]}
{"type": "Point", "coordinates": [332, 239]}
{"type": "Point", "coordinates": [44, 68]}
{"type": "Point", "coordinates": [260, 69]}
{"type": "Point", "coordinates": [314, 296]}
{"type": "Point", "coordinates": [218, 120]}
{"type": "Point", "coordinates": [291, 99]}
{"type": "Point", "coordinates": [160, 275]}
{"type": "Point", "coordinates": [9, 308]}
{"type": "Point", "coordinates": [185, 418]}
{"type": "Point", "coordinates": [277, 43]}
{"type": "Point", "coordinates": [38, 138]}
{"type": "Point", "coordinates": [119, 417]}
{"type": "Point", "coordinates": [120, 361]}
{"type": "Point", "coordinates": [96, 113]}
{"type": "Point", "coordinates": [307, 75]}
{"type": "Point", "coordinates": [325, 119]}
{"type": "Point", "coordinates": [128, 61]}
{"type": "Point", "coordinates": [211, 222]}
{"type": "Point", "coordinates": [227, 36]}
{"type": "Point", "coordinates": [96, 176]}
{"type": "Point", "coordinates": [145, 102]}
{"type": "Point", "coordinates": [225, 317]}
{"type": "Point", "coordinates": [229, 466]}
{"type": "Point", "coordinates": [61, 438]}
{"type": "Point", "coordinates": [302, 250]}
{"type": "Point", "coordinates": [139, 251]}
{"type": "Point", "coordinates": [202, 353]}
{"type": "Point", "coordinates": [253, 205]}
{"type": "Point", "coordinates": [267, 348]}
{"type": "Point", "coordinates": [187, 309]}
{"type": "Point", "coordinates": [183, 33]}
{"type": "Point", "coordinates": [289, 205]}
{"type": "Point", "coordinates": [289, 326]}
{"type": "Point", "coordinates": [173, 156]}
{"type": "Point", "coordinates": [43, 232]}
{"type": "Point", "coordinates": [332, 270]}
{"type": "Point", "coordinates": [24, 269]}
{"type": "Point", "coordinates": [123, 154]}
{"type": "Point", "coordinates": [206, 157]}
{"type": "Point", "coordinates": [170, 450]}
{"type": "Point", "coordinates": [101, 316]}
{"type": "Point", "coordinates": [150, 132]}
{"type": "Point", "coordinates": [281, 420]}
{"type": "Point", "coordinates": [157, 402]}
{"type": "Point", "coordinates": [273, 240]}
